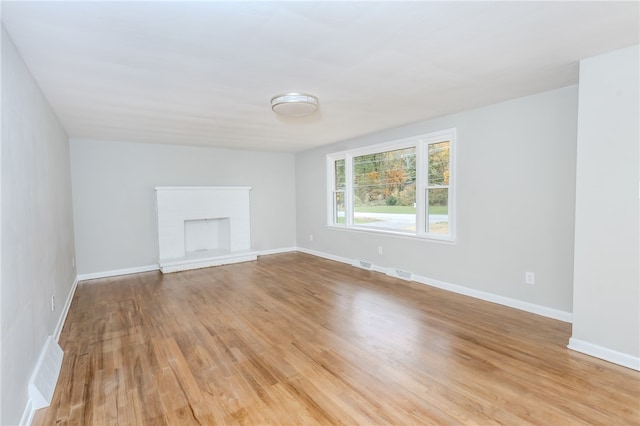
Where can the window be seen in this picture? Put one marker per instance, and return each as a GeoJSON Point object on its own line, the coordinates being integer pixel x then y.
{"type": "Point", "coordinates": [439, 164]}
{"type": "Point", "coordinates": [338, 192]}
{"type": "Point", "coordinates": [403, 187]}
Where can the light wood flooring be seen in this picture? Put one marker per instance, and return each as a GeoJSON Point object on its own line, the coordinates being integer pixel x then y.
{"type": "Point", "coordinates": [298, 340]}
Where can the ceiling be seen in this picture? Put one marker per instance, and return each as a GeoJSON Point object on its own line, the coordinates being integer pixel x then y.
{"type": "Point", "coordinates": [203, 73]}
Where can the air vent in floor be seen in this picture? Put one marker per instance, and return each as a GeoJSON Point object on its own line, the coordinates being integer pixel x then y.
{"type": "Point", "coordinates": [399, 273]}
{"type": "Point", "coordinates": [45, 376]}
{"type": "Point", "coordinates": [361, 264]}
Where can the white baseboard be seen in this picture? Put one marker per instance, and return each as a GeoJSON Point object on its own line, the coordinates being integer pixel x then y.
{"type": "Point", "coordinates": [155, 267]}
{"type": "Point", "coordinates": [606, 354]}
{"type": "Point", "coordinates": [374, 267]}
{"type": "Point", "coordinates": [489, 297]}
{"type": "Point", "coordinates": [495, 298]}
{"type": "Point", "coordinates": [277, 251]}
{"type": "Point", "coordinates": [326, 255]}
{"type": "Point", "coordinates": [65, 311]}
{"type": "Point", "coordinates": [115, 273]}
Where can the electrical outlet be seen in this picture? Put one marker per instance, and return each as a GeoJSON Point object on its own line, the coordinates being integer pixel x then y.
{"type": "Point", "coordinates": [529, 278]}
{"type": "Point", "coordinates": [379, 249]}
{"type": "Point", "coordinates": [53, 303]}
{"type": "Point", "coordinates": [310, 237]}
{"type": "Point", "coordinates": [73, 262]}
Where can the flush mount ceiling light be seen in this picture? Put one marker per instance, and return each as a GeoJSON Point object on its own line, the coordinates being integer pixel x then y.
{"type": "Point", "coordinates": [294, 104]}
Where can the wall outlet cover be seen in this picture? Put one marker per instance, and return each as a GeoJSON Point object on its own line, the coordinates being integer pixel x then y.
{"type": "Point", "coordinates": [529, 278]}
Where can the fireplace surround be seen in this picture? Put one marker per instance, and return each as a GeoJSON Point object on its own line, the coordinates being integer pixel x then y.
{"type": "Point", "coordinates": [202, 226]}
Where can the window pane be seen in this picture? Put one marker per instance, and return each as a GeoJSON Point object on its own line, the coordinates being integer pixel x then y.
{"type": "Point", "coordinates": [338, 207]}
{"type": "Point", "coordinates": [384, 190]}
{"type": "Point", "coordinates": [439, 164]}
{"type": "Point", "coordinates": [339, 174]}
{"type": "Point", "coordinates": [438, 214]}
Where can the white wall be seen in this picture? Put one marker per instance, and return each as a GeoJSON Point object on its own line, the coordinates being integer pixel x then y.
{"type": "Point", "coordinates": [37, 227]}
{"type": "Point", "coordinates": [114, 200]}
{"type": "Point", "coordinates": [515, 203]}
{"type": "Point", "coordinates": [606, 277]}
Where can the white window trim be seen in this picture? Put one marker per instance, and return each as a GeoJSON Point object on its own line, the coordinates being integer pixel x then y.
{"type": "Point", "coordinates": [421, 143]}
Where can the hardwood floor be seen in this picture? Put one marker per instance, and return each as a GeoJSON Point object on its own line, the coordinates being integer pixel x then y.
{"type": "Point", "coordinates": [294, 339]}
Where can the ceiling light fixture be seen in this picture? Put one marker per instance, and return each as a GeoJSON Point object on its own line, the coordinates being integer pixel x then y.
{"type": "Point", "coordinates": [294, 104]}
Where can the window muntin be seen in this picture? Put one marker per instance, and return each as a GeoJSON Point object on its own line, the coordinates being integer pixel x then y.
{"type": "Point", "coordinates": [403, 187]}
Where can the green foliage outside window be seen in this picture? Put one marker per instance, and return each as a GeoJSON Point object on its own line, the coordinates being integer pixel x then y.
{"type": "Point", "coordinates": [385, 178]}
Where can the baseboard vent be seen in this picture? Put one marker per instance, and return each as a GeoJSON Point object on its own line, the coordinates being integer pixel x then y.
{"type": "Point", "coordinates": [45, 376]}
{"type": "Point", "coordinates": [399, 273]}
{"type": "Point", "coordinates": [362, 264]}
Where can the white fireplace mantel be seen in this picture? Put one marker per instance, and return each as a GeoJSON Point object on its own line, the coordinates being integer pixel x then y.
{"type": "Point", "coordinates": [202, 226]}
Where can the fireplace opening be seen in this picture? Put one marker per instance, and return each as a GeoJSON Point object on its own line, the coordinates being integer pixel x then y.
{"type": "Point", "coordinates": [211, 234]}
